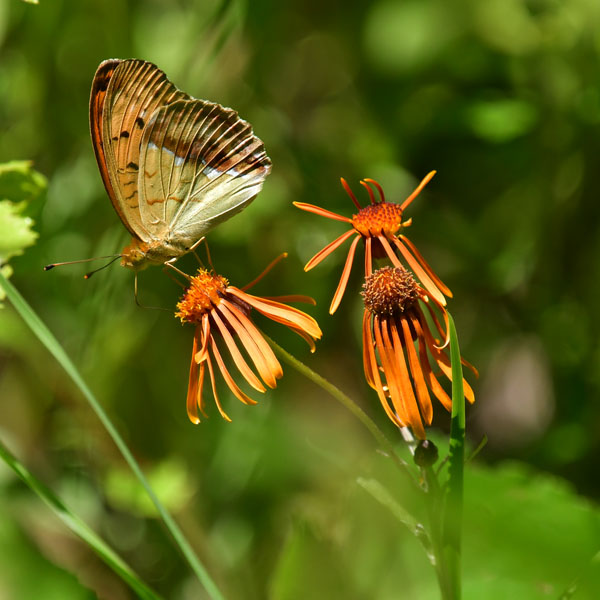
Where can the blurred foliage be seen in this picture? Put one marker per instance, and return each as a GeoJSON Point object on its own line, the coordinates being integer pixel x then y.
{"type": "Point", "coordinates": [501, 97]}
{"type": "Point", "coordinates": [20, 188]}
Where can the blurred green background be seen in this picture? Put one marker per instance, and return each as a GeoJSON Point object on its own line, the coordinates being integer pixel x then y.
{"type": "Point", "coordinates": [502, 98]}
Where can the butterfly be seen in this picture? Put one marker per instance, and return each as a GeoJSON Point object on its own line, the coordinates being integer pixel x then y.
{"type": "Point", "coordinates": [174, 166]}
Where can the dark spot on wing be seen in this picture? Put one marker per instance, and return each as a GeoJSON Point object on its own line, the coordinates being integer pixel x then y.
{"type": "Point", "coordinates": [124, 134]}
{"type": "Point", "coordinates": [140, 122]}
{"type": "Point", "coordinates": [133, 166]}
{"type": "Point", "coordinates": [114, 138]}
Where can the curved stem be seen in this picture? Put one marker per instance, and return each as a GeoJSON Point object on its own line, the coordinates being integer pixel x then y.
{"type": "Point", "coordinates": [347, 402]}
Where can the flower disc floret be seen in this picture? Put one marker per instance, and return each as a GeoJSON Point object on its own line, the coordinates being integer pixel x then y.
{"type": "Point", "coordinates": [390, 291]}
{"type": "Point", "coordinates": [384, 218]}
{"type": "Point", "coordinates": [204, 293]}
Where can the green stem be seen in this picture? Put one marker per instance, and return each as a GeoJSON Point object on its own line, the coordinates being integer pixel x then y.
{"type": "Point", "coordinates": [348, 403]}
{"type": "Point", "coordinates": [453, 513]}
{"type": "Point", "coordinates": [53, 346]}
{"type": "Point", "coordinates": [434, 505]}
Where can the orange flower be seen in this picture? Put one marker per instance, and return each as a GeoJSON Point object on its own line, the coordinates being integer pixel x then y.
{"type": "Point", "coordinates": [221, 311]}
{"type": "Point", "coordinates": [378, 224]}
{"type": "Point", "coordinates": [396, 368]}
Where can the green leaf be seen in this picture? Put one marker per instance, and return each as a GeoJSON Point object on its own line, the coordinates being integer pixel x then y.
{"type": "Point", "coordinates": [20, 188]}
{"type": "Point", "coordinates": [16, 231]}
{"type": "Point", "coordinates": [20, 182]}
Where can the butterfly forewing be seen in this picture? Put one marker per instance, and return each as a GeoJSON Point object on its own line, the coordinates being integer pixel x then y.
{"type": "Point", "coordinates": [200, 164]}
{"type": "Point", "coordinates": [135, 90]}
{"type": "Point", "coordinates": [97, 97]}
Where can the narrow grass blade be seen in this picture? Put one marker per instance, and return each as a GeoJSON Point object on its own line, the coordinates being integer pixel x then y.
{"type": "Point", "coordinates": [78, 527]}
{"type": "Point", "coordinates": [53, 346]}
{"type": "Point", "coordinates": [453, 513]}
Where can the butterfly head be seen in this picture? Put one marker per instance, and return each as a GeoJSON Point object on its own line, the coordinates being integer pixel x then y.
{"type": "Point", "coordinates": [138, 255]}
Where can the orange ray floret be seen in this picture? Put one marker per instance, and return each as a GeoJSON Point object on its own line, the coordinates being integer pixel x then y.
{"type": "Point", "coordinates": [221, 312]}
{"type": "Point", "coordinates": [399, 348]}
{"type": "Point", "coordinates": [380, 226]}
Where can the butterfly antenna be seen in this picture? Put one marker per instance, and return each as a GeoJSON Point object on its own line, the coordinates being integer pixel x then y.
{"type": "Point", "coordinates": [110, 262]}
{"type": "Point", "coordinates": [269, 267]}
{"type": "Point", "coordinates": [83, 260]}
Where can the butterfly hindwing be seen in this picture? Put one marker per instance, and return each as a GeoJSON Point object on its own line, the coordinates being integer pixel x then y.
{"type": "Point", "coordinates": [200, 163]}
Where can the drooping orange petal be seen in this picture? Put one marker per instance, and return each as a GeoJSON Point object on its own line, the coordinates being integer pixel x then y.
{"type": "Point", "coordinates": [372, 370]}
{"type": "Point", "coordinates": [311, 344]}
{"type": "Point", "coordinates": [287, 315]}
{"type": "Point", "coordinates": [228, 378]}
{"type": "Point", "coordinates": [469, 366]}
{"type": "Point", "coordinates": [388, 360]}
{"type": "Point", "coordinates": [423, 183]}
{"type": "Point", "coordinates": [257, 348]}
{"type": "Point", "coordinates": [388, 250]}
{"type": "Point", "coordinates": [368, 352]}
{"type": "Point", "coordinates": [202, 354]}
{"type": "Point", "coordinates": [444, 364]}
{"type": "Point", "coordinates": [444, 334]}
{"type": "Point", "coordinates": [322, 254]}
{"type": "Point", "coordinates": [434, 384]}
{"type": "Point", "coordinates": [368, 256]}
{"type": "Point", "coordinates": [438, 282]}
{"type": "Point", "coordinates": [191, 403]}
{"type": "Point", "coordinates": [238, 359]}
{"type": "Point", "coordinates": [317, 210]}
{"type": "Point", "coordinates": [419, 272]}
{"type": "Point", "coordinates": [214, 389]}
{"type": "Point", "coordinates": [200, 396]}
{"type": "Point", "coordinates": [417, 375]}
{"type": "Point", "coordinates": [341, 288]}
{"type": "Point", "coordinates": [408, 395]}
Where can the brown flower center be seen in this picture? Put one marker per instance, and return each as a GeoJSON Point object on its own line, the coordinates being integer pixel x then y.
{"type": "Point", "coordinates": [375, 219]}
{"type": "Point", "coordinates": [390, 291]}
{"type": "Point", "coordinates": [204, 293]}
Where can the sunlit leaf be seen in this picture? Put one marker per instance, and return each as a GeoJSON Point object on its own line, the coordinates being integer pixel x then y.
{"type": "Point", "coordinates": [20, 186]}
{"type": "Point", "coordinates": [20, 182]}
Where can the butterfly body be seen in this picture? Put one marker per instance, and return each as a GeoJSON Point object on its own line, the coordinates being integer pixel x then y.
{"type": "Point", "coordinates": [174, 166]}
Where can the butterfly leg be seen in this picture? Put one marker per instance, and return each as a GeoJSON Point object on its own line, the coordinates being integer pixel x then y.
{"type": "Point", "coordinates": [172, 277]}
{"type": "Point", "coordinates": [137, 301]}
{"type": "Point", "coordinates": [170, 265]}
